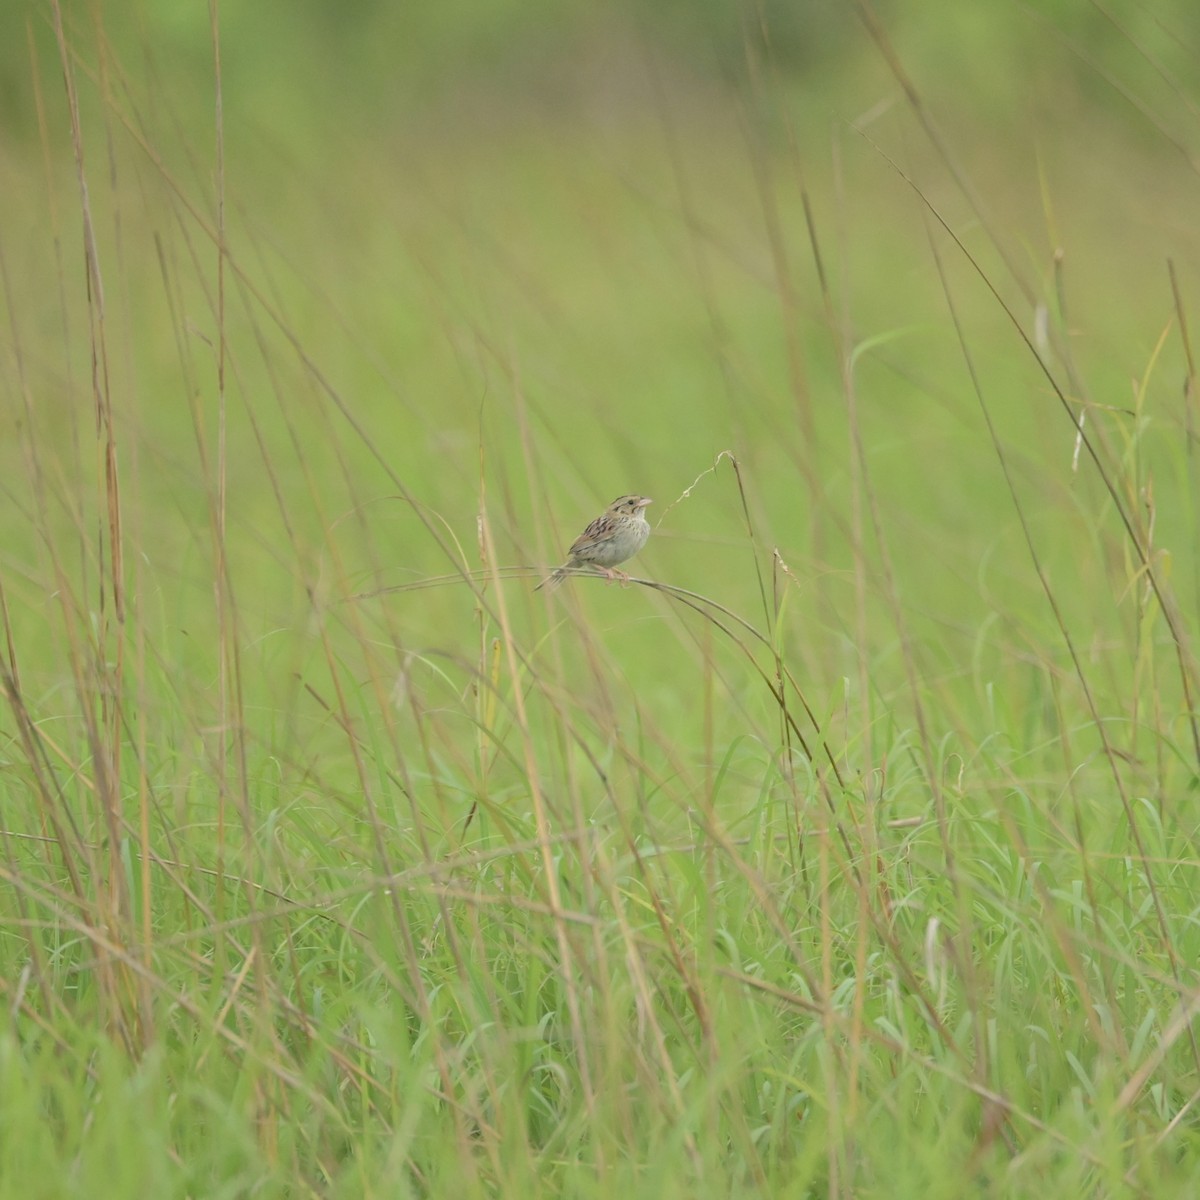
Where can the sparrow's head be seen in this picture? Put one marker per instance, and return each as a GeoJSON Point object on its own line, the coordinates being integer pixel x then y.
{"type": "Point", "coordinates": [629, 506]}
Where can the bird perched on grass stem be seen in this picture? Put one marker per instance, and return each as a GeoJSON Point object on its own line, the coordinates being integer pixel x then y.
{"type": "Point", "coordinates": [617, 534]}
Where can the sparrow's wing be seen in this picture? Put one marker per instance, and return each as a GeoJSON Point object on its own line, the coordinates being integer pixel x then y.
{"type": "Point", "coordinates": [596, 534]}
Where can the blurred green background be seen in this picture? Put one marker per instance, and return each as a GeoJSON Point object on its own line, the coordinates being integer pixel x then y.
{"type": "Point", "coordinates": [371, 331]}
{"type": "Point", "coordinates": [580, 242]}
{"type": "Point", "coordinates": [521, 258]}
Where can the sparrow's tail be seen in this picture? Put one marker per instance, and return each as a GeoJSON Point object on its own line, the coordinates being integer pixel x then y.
{"type": "Point", "coordinates": [552, 581]}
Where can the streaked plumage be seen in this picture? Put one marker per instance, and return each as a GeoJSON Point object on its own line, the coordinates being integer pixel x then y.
{"type": "Point", "coordinates": [614, 536]}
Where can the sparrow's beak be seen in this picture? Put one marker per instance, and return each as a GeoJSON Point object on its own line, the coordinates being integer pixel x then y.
{"type": "Point", "coordinates": [644, 502]}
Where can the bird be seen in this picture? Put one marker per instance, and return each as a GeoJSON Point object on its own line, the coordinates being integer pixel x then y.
{"type": "Point", "coordinates": [616, 534]}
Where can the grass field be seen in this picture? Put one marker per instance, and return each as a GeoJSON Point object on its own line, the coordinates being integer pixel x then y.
{"type": "Point", "coordinates": [852, 851]}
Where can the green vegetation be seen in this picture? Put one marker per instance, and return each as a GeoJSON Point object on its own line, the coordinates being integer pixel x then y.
{"type": "Point", "coordinates": [853, 851]}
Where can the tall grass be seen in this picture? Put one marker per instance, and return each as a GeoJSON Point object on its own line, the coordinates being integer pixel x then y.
{"type": "Point", "coordinates": [850, 851]}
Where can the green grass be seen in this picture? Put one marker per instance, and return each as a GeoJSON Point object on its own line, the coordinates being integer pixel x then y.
{"type": "Point", "coordinates": [851, 852]}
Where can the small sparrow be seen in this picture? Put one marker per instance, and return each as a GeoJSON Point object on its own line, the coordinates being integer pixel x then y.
{"type": "Point", "coordinates": [617, 534]}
